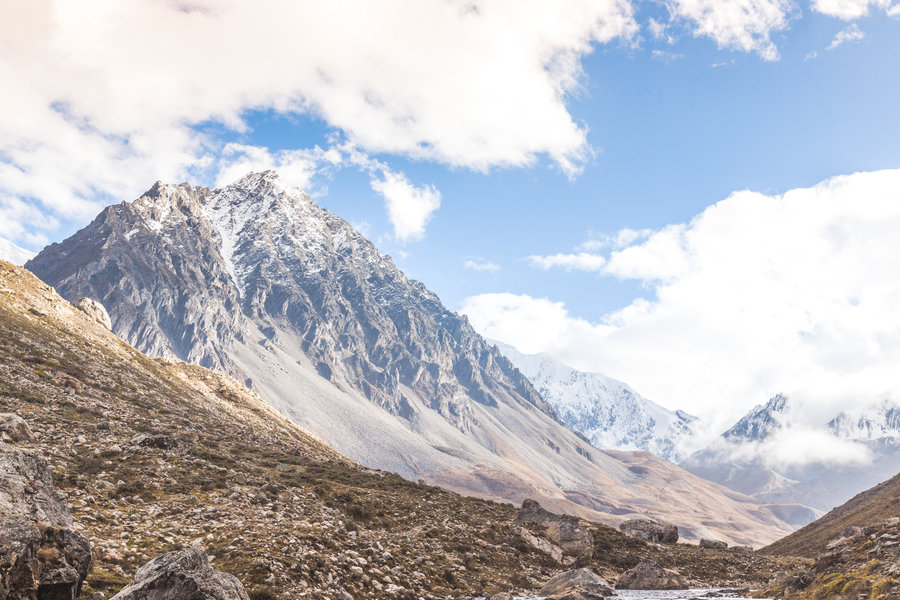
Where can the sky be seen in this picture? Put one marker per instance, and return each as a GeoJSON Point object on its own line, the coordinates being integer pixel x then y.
{"type": "Point", "coordinates": [700, 198]}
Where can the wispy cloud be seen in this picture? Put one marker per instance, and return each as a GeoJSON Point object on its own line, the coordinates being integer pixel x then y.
{"type": "Point", "coordinates": [479, 264]}
{"type": "Point", "coordinates": [581, 261]}
{"type": "Point", "coordinates": [851, 34]}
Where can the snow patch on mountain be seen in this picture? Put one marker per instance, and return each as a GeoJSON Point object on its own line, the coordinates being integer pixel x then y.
{"type": "Point", "coordinates": [608, 412]}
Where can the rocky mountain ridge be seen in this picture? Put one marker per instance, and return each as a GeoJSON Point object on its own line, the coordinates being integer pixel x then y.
{"type": "Point", "coordinates": [608, 412]}
{"type": "Point", "coordinates": [258, 281]}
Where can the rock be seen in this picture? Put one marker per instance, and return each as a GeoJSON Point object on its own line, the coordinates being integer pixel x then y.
{"type": "Point", "coordinates": [651, 531]}
{"type": "Point", "coordinates": [41, 555]}
{"type": "Point", "coordinates": [182, 575]}
{"type": "Point", "coordinates": [14, 428]}
{"type": "Point", "coordinates": [95, 311]}
{"type": "Point", "coordinates": [576, 584]}
{"type": "Point", "coordinates": [157, 440]}
{"type": "Point", "coordinates": [569, 544]}
{"type": "Point", "coordinates": [648, 575]}
{"type": "Point", "coordinates": [713, 544]}
{"type": "Point", "coordinates": [746, 549]}
{"type": "Point", "coordinates": [501, 596]}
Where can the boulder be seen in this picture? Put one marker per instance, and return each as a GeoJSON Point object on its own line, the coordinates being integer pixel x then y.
{"type": "Point", "coordinates": [578, 584]}
{"type": "Point", "coordinates": [648, 575]}
{"type": "Point", "coordinates": [651, 531]}
{"type": "Point", "coordinates": [713, 544]}
{"type": "Point", "coordinates": [565, 540]}
{"type": "Point", "coordinates": [95, 311]}
{"type": "Point", "coordinates": [160, 441]}
{"type": "Point", "coordinates": [14, 428]}
{"type": "Point", "coordinates": [41, 555]}
{"type": "Point", "coordinates": [182, 575]}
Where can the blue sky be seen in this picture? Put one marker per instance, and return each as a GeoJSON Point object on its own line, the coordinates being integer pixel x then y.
{"type": "Point", "coordinates": [543, 132]}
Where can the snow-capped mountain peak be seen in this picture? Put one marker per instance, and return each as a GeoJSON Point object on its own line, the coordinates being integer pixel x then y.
{"type": "Point", "coordinates": [14, 254]}
{"type": "Point", "coordinates": [761, 421]}
{"type": "Point", "coordinates": [877, 422]}
{"type": "Point", "coordinates": [607, 411]}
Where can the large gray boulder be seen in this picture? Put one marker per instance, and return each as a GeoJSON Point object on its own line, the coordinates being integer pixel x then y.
{"type": "Point", "coordinates": [713, 544]}
{"type": "Point", "coordinates": [42, 557]}
{"type": "Point", "coordinates": [648, 575]}
{"type": "Point", "coordinates": [578, 584]}
{"type": "Point", "coordinates": [651, 531]}
{"type": "Point", "coordinates": [564, 539]}
{"type": "Point", "coordinates": [14, 428]}
{"type": "Point", "coordinates": [182, 575]}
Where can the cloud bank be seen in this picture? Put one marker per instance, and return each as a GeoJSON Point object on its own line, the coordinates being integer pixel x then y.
{"type": "Point", "coordinates": [759, 294]}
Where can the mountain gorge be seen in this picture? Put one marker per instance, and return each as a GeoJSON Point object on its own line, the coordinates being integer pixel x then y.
{"type": "Point", "coordinates": [258, 281]}
{"type": "Point", "coordinates": [608, 412]}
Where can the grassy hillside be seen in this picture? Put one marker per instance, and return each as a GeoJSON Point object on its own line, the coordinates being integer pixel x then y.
{"type": "Point", "coordinates": [217, 468]}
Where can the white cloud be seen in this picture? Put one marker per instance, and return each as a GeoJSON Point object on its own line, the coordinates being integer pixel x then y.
{"type": "Point", "coordinates": [295, 167]}
{"type": "Point", "coordinates": [409, 207]}
{"type": "Point", "coordinates": [480, 264]}
{"type": "Point", "coordinates": [745, 25]}
{"type": "Point", "coordinates": [100, 97]}
{"type": "Point", "coordinates": [850, 9]}
{"type": "Point", "coordinates": [758, 294]}
{"type": "Point", "coordinates": [851, 34]}
{"type": "Point", "coordinates": [582, 261]}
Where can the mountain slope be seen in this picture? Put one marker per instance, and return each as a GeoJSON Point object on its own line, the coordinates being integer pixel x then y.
{"type": "Point", "coordinates": [608, 412]}
{"type": "Point", "coordinates": [257, 280]}
{"type": "Point", "coordinates": [155, 455]}
{"type": "Point", "coordinates": [12, 253]}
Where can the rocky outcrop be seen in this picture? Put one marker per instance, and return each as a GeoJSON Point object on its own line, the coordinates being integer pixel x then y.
{"type": "Point", "coordinates": [650, 531]}
{"type": "Point", "coordinates": [42, 557]}
{"type": "Point", "coordinates": [713, 544]}
{"type": "Point", "coordinates": [564, 539]}
{"type": "Point", "coordinates": [95, 310]}
{"type": "Point", "coordinates": [649, 575]}
{"type": "Point", "coordinates": [14, 428]}
{"type": "Point", "coordinates": [182, 575]}
{"type": "Point", "coordinates": [578, 584]}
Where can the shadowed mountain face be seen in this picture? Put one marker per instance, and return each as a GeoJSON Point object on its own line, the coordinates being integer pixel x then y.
{"type": "Point", "coordinates": [256, 280]}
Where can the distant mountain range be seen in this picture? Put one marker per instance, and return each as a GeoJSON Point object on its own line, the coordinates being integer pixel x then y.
{"type": "Point", "coordinates": [14, 254]}
{"type": "Point", "coordinates": [745, 458]}
{"type": "Point", "coordinates": [257, 280]}
{"type": "Point", "coordinates": [608, 412]}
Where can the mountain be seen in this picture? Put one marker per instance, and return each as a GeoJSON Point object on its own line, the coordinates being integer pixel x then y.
{"type": "Point", "coordinates": [608, 412]}
{"type": "Point", "coordinates": [257, 280]}
{"type": "Point", "coordinates": [153, 455]}
{"type": "Point", "coordinates": [746, 458]}
{"type": "Point", "coordinates": [856, 548]}
{"type": "Point", "coordinates": [12, 253]}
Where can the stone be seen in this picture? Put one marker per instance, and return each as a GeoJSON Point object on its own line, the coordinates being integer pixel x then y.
{"type": "Point", "coordinates": [501, 596]}
{"type": "Point", "coordinates": [649, 575]}
{"type": "Point", "coordinates": [95, 311]}
{"type": "Point", "coordinates": [565, 541]}
{"type": "Point", "coordinates": [651, 531]}
{"type": "Point", "coordinates": [713, 544]}
{"type": "Point", "coordinates": [14, 428]}
{"type": "Point", "coordinates": [156, 440]}
{"type": "Point", "coordinates": [41, 555]}
{"type": "Point", "coordinates": [182, 575]}
{"type": "Point", "coordinates": [576, 584]}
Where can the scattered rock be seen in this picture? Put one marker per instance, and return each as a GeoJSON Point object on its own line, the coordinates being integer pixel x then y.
{"type": "Point", "coordinates": [565, 541]}
{"type": "Point", "coordinates": [651, 531]}
{"type": "Point", "coordinates": [501, 596]}
{"type": "Point", "coordinates": [578, 584]}
{"type": "Point", "coordinates": [156, 440]}
{"type": "Point", "coordinates": [14, 428]}
{"type": "Point", "coordinates": [182, 575]}
{"type": "Point", "coordinates": [95, 311]}
{"type": "Point", "coordinates": [648, 575]}
{"type": "Point", "coordinates": [41, 555]}
{"type": "Point", "coordinates": [746, 549]}
{"type": "Point", "coordinates": [713, 544]}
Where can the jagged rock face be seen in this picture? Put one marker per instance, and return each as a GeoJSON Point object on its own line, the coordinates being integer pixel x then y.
{"type": "Point", "coordinates": [95, 310]}
{"type": "Point", "coordinates": [14, 428]}
{"type": "Point", "coordinates": [41, 556]}
{"type": "Point", "coordinates": [182, 575]}
{"type": "Point", "coordinates": [569, 544]}
{"type": "Point", "coordinates": [183, 269]}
